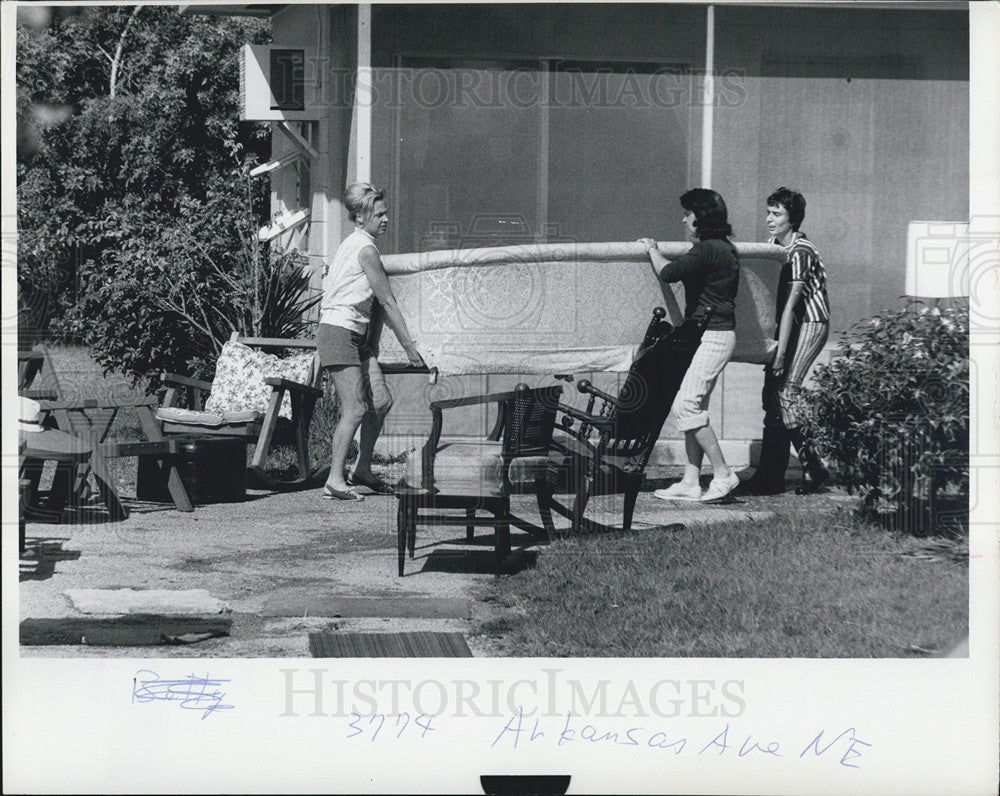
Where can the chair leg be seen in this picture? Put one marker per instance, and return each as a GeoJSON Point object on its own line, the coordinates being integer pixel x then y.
{"type": "Point", "coordinates": [270, 423]}
{"type": "Point", "coordinates": [411, 528]}
{"type": "Point", "coordinates": [470, 530]}
{"type": "Point", "coordinates": [580, 504]}
{"type": "Point", "coordinates": [26, 498]}
{"type": "Point", "coordinates": [302, 411]}
{"type": "Point", "coordinates": [631, 495]}
{"type": "Point", "coordinates": [543, 493]}
{"type": "Point", "coordinates": [401, 530]}
{"type": "Point", "coordinates": [502, 551]}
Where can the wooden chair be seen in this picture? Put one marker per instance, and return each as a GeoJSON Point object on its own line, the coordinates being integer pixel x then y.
{"type": "Point", "coordinates": [184, 408]}
{"type": "Point", "coordinates": [475, 476]}
{"type": "Point", "coordinates": [36, 375]}
{"type": "Point", "coordinates": [36, 446]}
{"type": "Point", "coordinates": [604, 449]}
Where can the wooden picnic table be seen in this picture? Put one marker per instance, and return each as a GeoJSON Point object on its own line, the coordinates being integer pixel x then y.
{"type": "Point", "coordinates": [92, 420]}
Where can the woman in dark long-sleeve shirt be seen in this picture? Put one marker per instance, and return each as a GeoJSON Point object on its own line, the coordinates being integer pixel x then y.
{"type": "Point", "coordinates": [710, 273]}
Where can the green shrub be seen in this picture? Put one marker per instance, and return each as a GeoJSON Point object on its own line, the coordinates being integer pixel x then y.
{"type": "Point", "coordinates": [173, 291]}
{"type": "Point", "coordinates": [891, 411]}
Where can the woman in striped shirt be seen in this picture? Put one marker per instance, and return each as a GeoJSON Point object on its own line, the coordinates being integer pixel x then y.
{"type": "Point", "coordinates": [803, 326]}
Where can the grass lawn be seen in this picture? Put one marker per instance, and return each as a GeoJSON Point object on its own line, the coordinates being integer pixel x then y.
{"type": "Point", "coordinates": [810, 582]}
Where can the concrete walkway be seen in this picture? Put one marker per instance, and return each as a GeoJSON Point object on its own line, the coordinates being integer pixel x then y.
{"type": "Point", "coordinates": [282, 565]}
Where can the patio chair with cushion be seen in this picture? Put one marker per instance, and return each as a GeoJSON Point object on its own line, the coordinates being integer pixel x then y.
{"type": "Point", "coordinates": [257, 396]}
{"type": "Point", "coordinates": [604, 449]}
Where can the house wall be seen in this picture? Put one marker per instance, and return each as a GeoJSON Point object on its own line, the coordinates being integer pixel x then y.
{"type": "Point", "coordinates": [333, 31]}
{"type": "Point", "coordinates": [865, 111]}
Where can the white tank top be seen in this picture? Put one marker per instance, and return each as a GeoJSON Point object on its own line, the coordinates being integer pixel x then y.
{"type": "Point", "coordinates": [347, 296]}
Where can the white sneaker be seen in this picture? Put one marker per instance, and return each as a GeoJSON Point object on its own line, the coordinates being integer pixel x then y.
{"type": "Point", "coordinates": [679, 491]}
{"type": "Point", "coordinates": [720, 488]}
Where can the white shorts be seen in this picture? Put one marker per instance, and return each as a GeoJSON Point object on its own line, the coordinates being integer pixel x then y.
{"type": "Point", "coordinates": [691, 404]}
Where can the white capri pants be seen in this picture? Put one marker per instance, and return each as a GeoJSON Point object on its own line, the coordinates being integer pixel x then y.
{"type": "Point", "coordinates": [691, 403]}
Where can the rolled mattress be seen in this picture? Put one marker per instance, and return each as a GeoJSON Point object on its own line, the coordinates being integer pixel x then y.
{"type": "Point", "coordinates": [557, 308]}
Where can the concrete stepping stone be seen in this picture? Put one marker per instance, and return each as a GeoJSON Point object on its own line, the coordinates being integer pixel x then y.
{"type": "Point", "coordinates": [145, 601]}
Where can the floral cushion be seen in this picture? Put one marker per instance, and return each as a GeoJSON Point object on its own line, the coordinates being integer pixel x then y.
{"type": "Point", "coordinates": [239, 379]}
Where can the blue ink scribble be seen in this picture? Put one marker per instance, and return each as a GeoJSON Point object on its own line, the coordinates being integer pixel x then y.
{"type": "Point", "coordinates": [194, 693]}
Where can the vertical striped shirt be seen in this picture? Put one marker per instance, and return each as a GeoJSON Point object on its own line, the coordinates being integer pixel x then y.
{"type": "Point", "coordinates": [803, 265]}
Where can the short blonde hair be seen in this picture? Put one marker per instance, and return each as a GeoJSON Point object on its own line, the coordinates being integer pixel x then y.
{"type": "Point", "coordinates": [360, 198]}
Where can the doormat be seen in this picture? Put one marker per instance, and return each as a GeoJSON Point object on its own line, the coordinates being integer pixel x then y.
{"type": "Point", "coordinates": [137, 630]}
{"type": "Point", "coordinates": [422, 644]}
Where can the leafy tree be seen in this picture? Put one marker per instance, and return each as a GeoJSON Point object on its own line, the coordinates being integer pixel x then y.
{"type": "Point", "coordinates": [115, 200]}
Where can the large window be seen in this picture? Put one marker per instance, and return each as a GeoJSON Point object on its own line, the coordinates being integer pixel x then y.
{"type": "Point", "coordinates": [502, 151]}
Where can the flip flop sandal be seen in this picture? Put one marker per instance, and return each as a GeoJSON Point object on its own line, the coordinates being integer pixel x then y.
{"type": "Point", "coordinates": [376, 485]}
{"type": "Point", "coordinates": [329, 493]}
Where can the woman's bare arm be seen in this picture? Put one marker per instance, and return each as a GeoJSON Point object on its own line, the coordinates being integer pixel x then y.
{"type": "Point", "coordinates": [371, 264]}
{"type": "Point", "coordinates": [785, 327]}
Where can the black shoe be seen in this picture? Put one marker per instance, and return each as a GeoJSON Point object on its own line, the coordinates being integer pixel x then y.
{"type": "Point", "coordinates": [810, 486]}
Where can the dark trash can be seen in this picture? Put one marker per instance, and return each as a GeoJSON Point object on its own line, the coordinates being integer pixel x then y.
{"type": "Point", "coordinates": [213, 469]}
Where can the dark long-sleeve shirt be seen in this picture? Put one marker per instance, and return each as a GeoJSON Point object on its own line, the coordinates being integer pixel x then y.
{"type": "Point", "coordinates": [710, 273]}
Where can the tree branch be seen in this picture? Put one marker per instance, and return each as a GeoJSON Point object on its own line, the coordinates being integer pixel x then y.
{"type": "Point", "coordinates": [116, 61]}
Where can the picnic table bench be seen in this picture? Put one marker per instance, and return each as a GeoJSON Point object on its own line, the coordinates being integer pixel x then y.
{"type": "Point", "coordinates": [92, 418]}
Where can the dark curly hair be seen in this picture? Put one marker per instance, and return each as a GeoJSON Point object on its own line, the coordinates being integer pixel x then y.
{"type": "Point", "coordinates": [710, 214]}
{"type": "Point", "coordinates": [792, 201]}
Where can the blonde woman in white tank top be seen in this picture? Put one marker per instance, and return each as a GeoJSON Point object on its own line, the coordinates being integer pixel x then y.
{"type": "Point", "coordinates": [351, 281]}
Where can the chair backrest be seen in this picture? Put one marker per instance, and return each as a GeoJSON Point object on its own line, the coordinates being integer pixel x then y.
{"type": "Point", "coordinates": [528, 431]}
{"type": "Point", "coordinates": [649, 391]}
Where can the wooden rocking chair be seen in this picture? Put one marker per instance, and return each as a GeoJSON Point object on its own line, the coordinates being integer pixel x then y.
{"type": "Point", "coordinates": [268, 419]}
{"type": "Point", "coordinates": [604, 450]}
